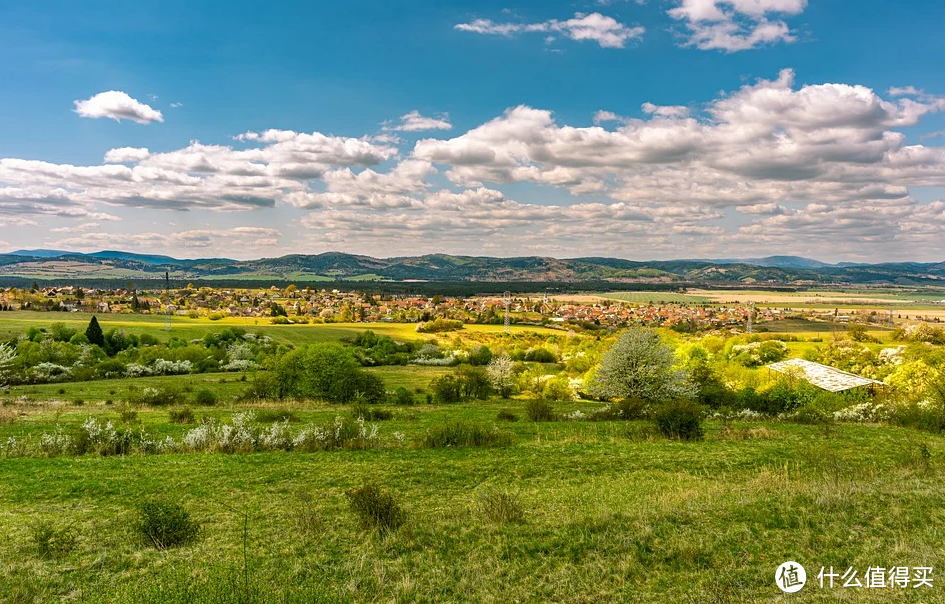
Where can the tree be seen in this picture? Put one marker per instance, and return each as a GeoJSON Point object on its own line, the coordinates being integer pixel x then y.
{"type": "Point", "coordinates": [640, 365]}
{"type": "Point", "coordinates": [7, 356]}
{"type": "Point", "coordinates": [502, 375]}
{"type": "Point", "coordinates": [94, 333]}
{"type": "Point", "coordinates": [326, 371]}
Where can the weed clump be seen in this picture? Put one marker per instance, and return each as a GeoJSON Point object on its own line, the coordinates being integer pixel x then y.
{"type": "Point", "coordinates": [464, 434]}
{"type": "Point", "coordinates": [163, 524]}
{"type": "Point", "coordinates": [681, 420]}
{"type": "Point", "coordinates": [182, 416]}
{"type": "Point", "coordinates": [402, 396]}
{"type": "Point", "coordinates": [50, 541]}
{"type": "Point", "coordinates": [163, 396]}
{"type": "Point", "coordinates": [506, 415]}
{"type": "Point", "coordinates": [376, 508]}
{"type": "Point", "coordinates": [500, 507]}
{"type": "Point", "coordinates": [307, 519]}
{"type": "Point", "coordinates": [270, 416]}
{"type": "Point", "coordinates": [205, 397]}
{"type": "Point", "coordinates": [362, 411]}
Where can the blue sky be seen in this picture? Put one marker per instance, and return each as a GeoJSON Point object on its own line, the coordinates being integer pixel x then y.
{"type": "Point", "coordinates": [708, 147]}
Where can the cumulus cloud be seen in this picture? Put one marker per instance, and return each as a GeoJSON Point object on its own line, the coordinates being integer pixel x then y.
{"type": "Point", "coordinates": [826, 163]}
{"type": "Point", "coordinates": [735, 25]}
{"type": "Point", "coordinates": [414, 122]}
{"type": "Point", "coordinates": [606, 31]}
{"type": "Point", "coordinates": [195, 241]}
{"type": "Point", "coordinates": [118, 106]}
{"type": "Point", "coordinates": [125, 155]}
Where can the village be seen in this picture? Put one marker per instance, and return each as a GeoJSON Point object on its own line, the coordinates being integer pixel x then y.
{"type": "Point", "coordinates": [293, 305]}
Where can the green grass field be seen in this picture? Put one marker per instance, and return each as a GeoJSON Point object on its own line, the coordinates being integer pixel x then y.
{"type": "Point", "coordinates": [612, 511]}
{"type": "Point", "coordinates": [611, 515]}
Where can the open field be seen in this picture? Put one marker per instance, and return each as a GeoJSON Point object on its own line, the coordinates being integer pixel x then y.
{"type": "Point", "coordinates": [656, 298]}
{"type": "Point", "coordinates": [611, 514]}
{"type": "Point", "coordinates": [13, 323]}
{"type": "Point", "coordinates": [741, 296]}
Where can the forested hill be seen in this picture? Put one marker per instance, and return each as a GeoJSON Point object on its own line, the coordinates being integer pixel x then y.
{"type": "Point", "coordinates": [58, 266]}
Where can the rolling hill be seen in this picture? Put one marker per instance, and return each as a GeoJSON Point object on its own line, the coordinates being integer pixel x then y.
{"type": "Point", "coordinates": [59, 266]}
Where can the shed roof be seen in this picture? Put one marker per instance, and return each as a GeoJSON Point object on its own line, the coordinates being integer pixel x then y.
{"type": "Point", "coordinates": [823, 376]}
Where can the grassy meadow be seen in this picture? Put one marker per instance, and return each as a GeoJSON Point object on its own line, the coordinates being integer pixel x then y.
{"type": "Point", "coordinates": [552, 511]}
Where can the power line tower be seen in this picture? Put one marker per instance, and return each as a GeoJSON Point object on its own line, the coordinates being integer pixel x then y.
{"type": "Point", "coordinates": [751, 314]}
{"type": "Point", "coordinates": [892, 322]}
{"type": "Point", "coordinates": [167, 301]}
{"type": "Point", "coordinates": [507, 298]}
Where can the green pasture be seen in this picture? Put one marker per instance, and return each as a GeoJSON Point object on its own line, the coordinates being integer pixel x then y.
{"type": "Point", "coordinates": [611, 514]}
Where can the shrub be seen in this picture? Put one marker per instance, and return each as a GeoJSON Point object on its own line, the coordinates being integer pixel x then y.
{"type": "Point", "coordinates": [928, 417]}
{"type": "Point", "coordinates": [376, 508]}
{"type": "Point", "coordinates": [182, 416]}
{"type": "Point", "coordinates": [127, 416]}
{"type": "Point", "coordinates": [50, 541]}
{"type": "Point", "coordinates": [627, 409]}
{"type": "Point", "coordinates": [446, 389]}
{"type": "Point", "coordinates": [324, 371]}
{"type": "Point", "coordinates": [369, 414]}
{"type": "Point", "coordinates": [681, 420]}
{"type": "Point", "coordinates": [464, 434]}
{"type": "Point", "coordinates": [558, 389]}
{"type": "Point", "coordinates": [506, 415]}
{"type": "Point", "coordinates": [439, 326]}
{"type": "Point", "coordinates": [500, 507]}
{"type": "Point", "coordinates": [539, 410]}
{"type": "Point", "coordinates": [481, 355]}
{"type": "Point", "coordinates": [205, 397]}
{"type": "Point", "coordinates": [269, 416]}
{"type": "Point", "coordinates": [78, 402]}
{"type": "Point", "coordinates": [810, 414]}
{"type": "Point", "coordinates": [402, 396]}
{"type": "Point", "coordinates": [540, 355]}
{"type": "Point", "coordinates": [474, 382]}
{"type": "Point", "coordinates": [163, 524]}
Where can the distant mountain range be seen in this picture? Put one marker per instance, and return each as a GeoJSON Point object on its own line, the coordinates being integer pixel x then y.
{"type": "Point", "coordinates": [64, 266]}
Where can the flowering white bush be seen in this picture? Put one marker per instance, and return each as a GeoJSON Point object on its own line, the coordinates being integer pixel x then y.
{"type": "Point", "coordinates": [891, 356]}
{"type": "Point", "coordinates": [240, 365]}
{"type": "Point", "coordinates": [50, 372]}
{"type": "Point", "coordinates": [240, 435]}
{"type": "Point", "coordinates": [863, 413]}
{"type": "Point", "coordinates": [57, 443]}
{"type": "Point", "coordinates": [434, 362]}
{"type": "Point", "coordinates": [576, 415]}
{"type": "Point", "coordinates": [239, 352]}
{"type": "Point", "coordinates": [165, 367]}
{"type": "Point", "coordinates": [134, 370]}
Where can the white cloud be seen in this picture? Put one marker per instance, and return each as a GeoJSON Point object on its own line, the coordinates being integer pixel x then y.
{"type": "Point", "coordinates": [195, 241]}
{"type": "Point", "coordinates": [126, 155]}
{"type": "Point", "coordinates": [414, 122]}
{"type": "Point", "coordinates": [78, 228]}
{"type": "Point", "coordinates": [735, 25]}
{"type": "Point", "coordinates": [606, 31]}
{"type": "Point", "coordinates": [117, 105]}
{"type": "Point", "coordinates": [175, 105]}
{"type": "Point", "coordinates": [745, 170]}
